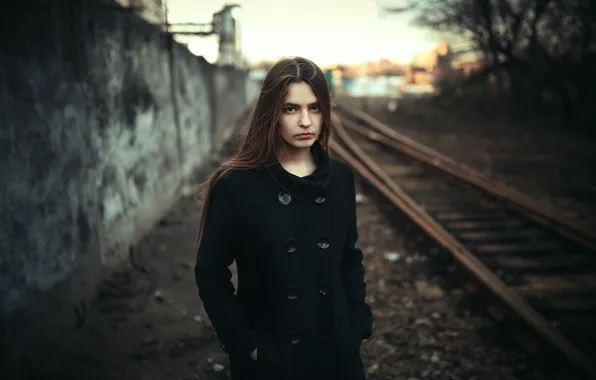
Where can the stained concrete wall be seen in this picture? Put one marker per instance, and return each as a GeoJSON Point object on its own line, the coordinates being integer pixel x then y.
{"type": "Point", "coordinates": [150, 10]}
{"type": "Point", "coordinates": [103, 119]}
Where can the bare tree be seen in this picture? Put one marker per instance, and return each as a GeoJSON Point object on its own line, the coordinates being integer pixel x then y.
{"type": "Point", "coordinates": [541, 52]}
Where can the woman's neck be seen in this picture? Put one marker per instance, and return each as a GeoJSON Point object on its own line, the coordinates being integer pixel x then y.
{"type": "Point", "coordinates": [299, 162]}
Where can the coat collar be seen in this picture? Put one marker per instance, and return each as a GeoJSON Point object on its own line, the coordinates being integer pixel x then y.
{"type": "Point", "coordinates": [308, 188]}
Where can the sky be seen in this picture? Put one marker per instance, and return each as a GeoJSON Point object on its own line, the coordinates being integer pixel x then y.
{"type": "Point", "coordinates": [325, 31]}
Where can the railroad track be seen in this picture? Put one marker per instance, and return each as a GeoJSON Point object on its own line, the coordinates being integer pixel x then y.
{"type": "Point", "coordinates": [539, 270]}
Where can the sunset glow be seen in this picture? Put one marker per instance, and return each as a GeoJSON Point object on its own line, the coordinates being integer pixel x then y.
{"type": "Point", "coordinates": [326, 31]}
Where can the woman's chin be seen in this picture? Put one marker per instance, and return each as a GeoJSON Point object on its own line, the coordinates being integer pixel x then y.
{"type": "Point", "coordinates": [302, 143]}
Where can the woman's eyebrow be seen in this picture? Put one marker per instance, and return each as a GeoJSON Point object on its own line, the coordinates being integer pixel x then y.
{"type": "Point", "coordinates": [297, 105]}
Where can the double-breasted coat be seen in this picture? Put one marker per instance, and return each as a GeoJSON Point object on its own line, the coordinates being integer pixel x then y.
{"type": "Point", "coordinates": [300, 298]}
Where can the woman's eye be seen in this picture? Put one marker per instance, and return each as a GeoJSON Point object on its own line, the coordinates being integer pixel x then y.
{"type": "Point", "coordinates": [290, 109]}
{"type": "Point", "coordinates": [315, 108]}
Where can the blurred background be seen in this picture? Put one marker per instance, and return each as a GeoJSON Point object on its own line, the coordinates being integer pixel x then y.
{"type": "Point", "coordinates": [534, 57]}
{"type": "Point", "coordinates": [111, 111]}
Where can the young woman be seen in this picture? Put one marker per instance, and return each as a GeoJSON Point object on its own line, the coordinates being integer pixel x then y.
{"type": "Point", "coordinates": [285, 212]}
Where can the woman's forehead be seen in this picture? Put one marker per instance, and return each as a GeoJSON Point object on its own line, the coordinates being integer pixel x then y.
{"type": "Point", "coordinates": [300, 94]}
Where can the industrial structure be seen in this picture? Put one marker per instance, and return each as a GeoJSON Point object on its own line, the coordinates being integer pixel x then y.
{"type": "Point", "coordinates": [227, 29]}
{"type": "Point", "coordinates": [223, 25]}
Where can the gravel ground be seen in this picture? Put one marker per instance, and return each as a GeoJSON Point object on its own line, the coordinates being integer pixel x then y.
{"type": "Point", "coordinates": [149, 323]}
{"type": "Point", "coordinates": [421, 332]}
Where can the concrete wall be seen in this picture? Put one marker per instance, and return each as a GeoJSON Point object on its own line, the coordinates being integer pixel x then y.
{"type": "Point", "coordinates": [103, 120]}
{"type": "Point", "coordinates": [150, 10]}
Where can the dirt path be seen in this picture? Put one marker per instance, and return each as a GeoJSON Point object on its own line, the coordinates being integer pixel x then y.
{"type": "Point", "coordinates": [149, 323]}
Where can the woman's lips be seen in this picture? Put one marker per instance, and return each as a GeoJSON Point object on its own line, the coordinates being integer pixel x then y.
{"type": "Point", "coordinates": [305, 135]}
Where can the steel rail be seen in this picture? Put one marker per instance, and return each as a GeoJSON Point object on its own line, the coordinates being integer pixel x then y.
{"type": "Point", "coordinates": [371, 171]}
{"type": "Point", "coordinates": [530, 207]}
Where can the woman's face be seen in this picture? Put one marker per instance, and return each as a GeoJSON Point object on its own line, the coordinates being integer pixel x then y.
{"type": "Point", "coordinates": [301, 118]}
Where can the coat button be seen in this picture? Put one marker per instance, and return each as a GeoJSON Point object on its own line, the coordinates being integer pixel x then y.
{"type": "Point", "coordinates": [294, 337]}
{"type": "Point", "coordinates": [325, 289]}
{"type": "Point", "coordinates": [324, 242]}
{"type": "Point", "coordinates": [320, 197]}
{"type": "Point", "coordinates": [291, 246]}
{"type": "Point", "coordinates": [284, 198]}
{"type": "Point", "coordinates": [292, 292]}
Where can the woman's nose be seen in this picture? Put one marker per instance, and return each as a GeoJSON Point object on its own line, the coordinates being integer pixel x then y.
{"type": "Point", "coordinates": [305, 120]}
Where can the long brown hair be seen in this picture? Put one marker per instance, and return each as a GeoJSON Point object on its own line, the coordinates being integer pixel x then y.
{"type": "Point", "coordinates": [262, 138]}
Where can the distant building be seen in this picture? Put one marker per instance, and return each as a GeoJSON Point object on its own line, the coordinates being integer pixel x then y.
{"type": "Point", "coordinates": [436, 59]}
{"type": "Point", "coordinates": [428, 66]}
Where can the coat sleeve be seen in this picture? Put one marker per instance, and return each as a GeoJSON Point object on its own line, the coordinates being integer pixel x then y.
{"type": "Point", "coordinates": [216, 252]}
{"type": "Point", "coordinates": [352, 270]}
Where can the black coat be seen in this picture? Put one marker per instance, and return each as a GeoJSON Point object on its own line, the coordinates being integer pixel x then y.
{"type": "Point", "coordinates": [301, 289]}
